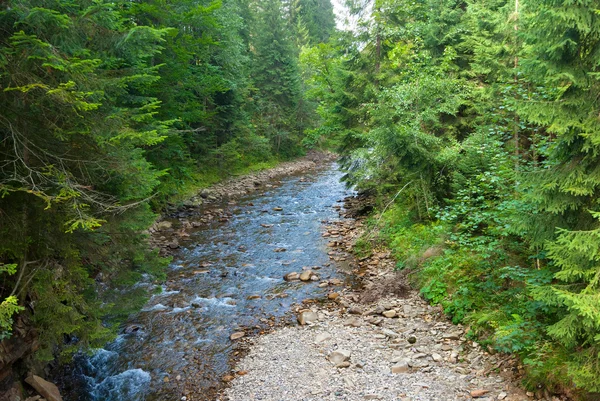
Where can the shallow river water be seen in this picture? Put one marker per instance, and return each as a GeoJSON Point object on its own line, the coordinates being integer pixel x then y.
{"type": "Point", "coordinates": [179, 343]}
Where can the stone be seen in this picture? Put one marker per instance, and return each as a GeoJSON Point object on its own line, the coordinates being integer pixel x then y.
{"type": "Point", "coordinates": [46, 389]}
{"type": "Point", "coordinates": [390, 333]}
{"type": "Point", "coordinates": [237, 335]}
{"type": "Point", "coordinates": [502, 395]}
{"type": "Point", "coordinates": [389, 313]}
{"type": "Point", "coordinates": [255, 296]}
{"type": "Point", "coordinates": [353, 322]}
{"type": "Point", "coordinates": [412, 339]}
{"type": "Point", "coordinates": [321, 337]}
{"type": "Point", "coordinates": [305, 275]}
{"type": "Point", "coordinates": [164, 225]}
{"type": "Point", "coordinates": [307, 317]}
{"type": "Point", "coordinates": [401, 367]}
{"type": "Point", "coordinates": [278, 209]}
{"type": "Point", "coordinates": [339, 356]}
{"type": "Point", "coordinates": [479, 393]}
{"type": "Point", "coordinates": [34, 398]}
{"type": "Point", "coordinates": [355, 310]}
{"type": "Point", "coordinates": [437, 357]}
{"type": "Point", "coordinates": [291, 276]}
{"type": "Point", "coordinates": [451, 336]}
{"type": "Point", "coordinates": [333, 295]}
{"type": "Point", "coordinates": [343, 365]}
{"type": "Point", "coordinates": [227, 378]}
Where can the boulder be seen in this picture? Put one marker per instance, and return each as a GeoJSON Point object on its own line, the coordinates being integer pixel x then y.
{"type": "Point", "coordinates": [46, 389]}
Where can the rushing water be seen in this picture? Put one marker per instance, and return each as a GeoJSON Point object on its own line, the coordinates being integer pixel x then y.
{"type": "Point", "coordinates": [179, 342]}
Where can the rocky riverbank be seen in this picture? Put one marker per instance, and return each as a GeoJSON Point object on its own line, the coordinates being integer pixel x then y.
{"type": "Point", "coordinates": [380, 341]}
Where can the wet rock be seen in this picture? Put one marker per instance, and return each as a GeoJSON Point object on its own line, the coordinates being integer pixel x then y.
{"type": "Point", "coordinates": [305, 275]}
{"type": "Point", "coordinates": [307, 317]}
{"type": "Point", "coordinates": [251, 297]}
{"type": "Point", "coordinates": [277, 209]}
{"type": "Point", "coordinates": [293, 276]}
{"type": "Point", "coordinates": [333, 295]}
{"type": "Point", "coordinates": [237, 335]}
{"type": "Point", "coordinates": [46, 389]}
{"type": "Point", "coordinates": [279, 250]}
{"type": "Point", "coordinates": [339, 356]}
{"type": "Point", "coordinates": [132, 328]}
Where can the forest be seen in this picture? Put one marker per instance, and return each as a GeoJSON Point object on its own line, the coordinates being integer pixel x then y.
{"type": "Point", "coordinates": [475, 123]}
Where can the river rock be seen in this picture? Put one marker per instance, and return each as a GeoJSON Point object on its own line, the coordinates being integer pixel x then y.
{"type": "Point", "coordinates": [321, 337]}
{"type": "Point", "coordinates": [46, 389]}
{"type": "Point", "coordinates": [305, 275]}
{"type": "Point", "coordinates": [291, 276]}
{"type": "Point", "coordinates": [278, 209]}
{"type": "Point", "coordinates": [251, 297]}
{"type": "Point", "coordinates": [479, 393]}
{"type": "Point", "coordinates": [389, 313]}
{"type": "Point", "coordinates": [355, 310]}
{"type": "Point", "coordinates": [401, 367]}
{"type": "Point", "coordinates": [237, 335]}
{"type": "Point", "coordinates": [339, 356]}
{"type": "Point", "coordinates": [164, 225]}
{"type": "Point", "coordinates": [307, 317]}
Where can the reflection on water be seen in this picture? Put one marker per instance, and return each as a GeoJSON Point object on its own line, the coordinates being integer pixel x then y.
{"type": "Point", "coordinates": [227, 276]}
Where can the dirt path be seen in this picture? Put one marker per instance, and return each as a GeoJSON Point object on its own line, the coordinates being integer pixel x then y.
{"type": "Point", "coordinates": [383, 342]}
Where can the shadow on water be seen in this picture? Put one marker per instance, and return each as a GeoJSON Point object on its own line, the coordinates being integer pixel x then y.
{"type": "Point", "coordinates": [180, 340]}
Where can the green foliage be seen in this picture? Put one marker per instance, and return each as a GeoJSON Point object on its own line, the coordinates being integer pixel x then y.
{"type": "Point", "coordinates": [479, 121]}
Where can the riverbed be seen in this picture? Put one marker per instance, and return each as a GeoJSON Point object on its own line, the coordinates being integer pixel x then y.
{"type": "Point", "coordinates": [226, 277]}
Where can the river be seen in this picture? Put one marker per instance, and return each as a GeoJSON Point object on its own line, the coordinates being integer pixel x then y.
{"type": "Point", "coordinates": [227, 277]}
